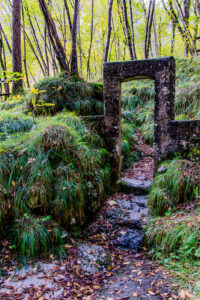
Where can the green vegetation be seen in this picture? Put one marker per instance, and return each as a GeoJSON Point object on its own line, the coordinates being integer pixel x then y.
{"type": "Point", "coordinates": [173, 187]}
{"type": "Point", "coordinates": [53, 94]}
{"type": "Point", "coordinates": [52, 165]}
{"type": "Point", "coordinates": [33, 236]}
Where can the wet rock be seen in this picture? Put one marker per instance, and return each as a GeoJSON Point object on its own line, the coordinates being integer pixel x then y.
{"type": "Point", "coordinates": [141, 200]}
{"type": "Point", "coordinates": [130, 239]}
{"type": "Point", "coordinates": [134, 186]}
{"type": "Point", "coordinates": [162, 169]}
{"type": "Point", "coordinates": [93, 258]}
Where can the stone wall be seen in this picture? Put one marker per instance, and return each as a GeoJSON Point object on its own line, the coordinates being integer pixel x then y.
{"type": "Point", "coordinates": [169, 136]}
{"type": "Point", "coordinates": [162, 71]}
{"type": "Point", "coordinates": [184, 135]}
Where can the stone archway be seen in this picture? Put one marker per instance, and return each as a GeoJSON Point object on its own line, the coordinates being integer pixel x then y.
{"type": "Point", "coordinates": [162, 71]}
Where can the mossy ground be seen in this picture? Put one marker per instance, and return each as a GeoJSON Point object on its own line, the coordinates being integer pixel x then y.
{"type": "Point", "coordinates": [52, 163]}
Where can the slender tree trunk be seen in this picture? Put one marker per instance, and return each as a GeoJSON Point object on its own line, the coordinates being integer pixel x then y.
{"type": "Point", "coordinates": [173, 37]}
{"type": "Point", "coordinates": [34, 34]}
{"type": "Point", "coordinates": [46, 50]}
{"type": "Point", "coordinates": [16, 40]}
{"type": "Point", "coordinates": [127, 27]}
{"type": "Point", "coordinates": [149, 22]}
{"type": "Point", "coordinates": [24, 58]}
{"type": "Point", "coordinates": [109, 31]}
{"type": "Point", "coordinates": [3, 64]}
{"type": "Point", "coordinates": [74, 60]}
{"type": "Point", "coordinates": [132, 30]}
{"type": "Point", "coordinates": [5, 37]}
{"type": "Point", "coordinates": [155, 38]}
{"type": "Point", "coordinates": [91, 39]}
{"type": "Point", "coordinates": [54, 38]}
{"type": "Point", "coordinates": [68, 15]}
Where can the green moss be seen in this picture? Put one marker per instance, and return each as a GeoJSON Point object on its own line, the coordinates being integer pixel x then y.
{"type": "Point", "coordinates": [63, 92]}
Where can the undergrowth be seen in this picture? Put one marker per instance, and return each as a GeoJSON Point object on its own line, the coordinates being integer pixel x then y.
{"type": "Point", "coordinates": [35, 235]}
{"type": "Point", "coordinates": [54, 94]}
{"type": "Point", "coordinates": [60, 168]}
{"type": "Point", "coordinates": [172, 187]}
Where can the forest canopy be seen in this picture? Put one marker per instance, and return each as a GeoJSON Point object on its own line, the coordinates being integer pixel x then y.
{"type": "Point", "coordinates": [79, 35]}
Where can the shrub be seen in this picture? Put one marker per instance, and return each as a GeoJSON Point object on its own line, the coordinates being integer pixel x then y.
{"type": "Point", "coordinates": [171, 188]}
{"type": "Point", "coordinates": [10, 125]}
{"type": "Point", "coordinates": [61, 168]}
{"type": "Point", "coordinates": [175, 236]}
{"type": "Point", "coordinates": [34, 236]}
{"type": "Point", "coordinates": [71, 93]}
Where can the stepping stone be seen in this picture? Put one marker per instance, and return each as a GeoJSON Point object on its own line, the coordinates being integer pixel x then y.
{"type": "Point", "coordinates": [134, 186]}
{"type": "Point", "coordinates": [130, 239]}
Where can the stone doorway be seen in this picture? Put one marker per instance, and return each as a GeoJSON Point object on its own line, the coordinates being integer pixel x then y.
{"type": "Point", "coordinates": [162, 71]}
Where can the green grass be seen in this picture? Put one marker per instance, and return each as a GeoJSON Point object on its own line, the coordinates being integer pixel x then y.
{"type": "Point", "coordinates": [174, 241]}
{"type": "Point", "coordinates": [176, 236]}
{"type": "Point", "coordinates": [35, 236]}
{"type": "Point", "coordinates": [173, 187]}
{"type": "Point", "coordinates": [58, 167]}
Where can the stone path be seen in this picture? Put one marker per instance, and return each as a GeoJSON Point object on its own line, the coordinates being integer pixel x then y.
{"type": "Point", "coordinates": [109, 262]}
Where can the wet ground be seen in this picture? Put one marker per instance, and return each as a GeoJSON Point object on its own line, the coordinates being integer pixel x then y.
{"type": "Point", "coordinates": [109, 262]}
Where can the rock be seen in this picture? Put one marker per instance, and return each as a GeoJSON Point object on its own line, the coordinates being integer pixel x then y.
{"type": "Point", "coordinates": [130, 239]}
{"type": "Point", "coordinates": [93, 258]}
{"type": "Point", "coordinates": [162, 169]}
{"type": "Point", "coordinates": [141, 200]}
{"type": "Point", "coordinates": [134, 186]}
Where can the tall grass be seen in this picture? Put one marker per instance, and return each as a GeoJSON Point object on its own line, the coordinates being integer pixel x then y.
{"type": "Point", "coordinates": [171, 188]}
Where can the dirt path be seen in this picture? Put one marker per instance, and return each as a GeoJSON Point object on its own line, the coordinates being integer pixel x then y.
{"type": "Point", "coordinates": [109, 262]}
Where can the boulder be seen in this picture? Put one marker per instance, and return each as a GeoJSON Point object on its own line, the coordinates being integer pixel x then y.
{"type": "Point", "coordinates": [93, 258]}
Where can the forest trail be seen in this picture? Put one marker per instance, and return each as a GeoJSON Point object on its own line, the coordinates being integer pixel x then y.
{"type": "Point", "coordinates": [118, 230]}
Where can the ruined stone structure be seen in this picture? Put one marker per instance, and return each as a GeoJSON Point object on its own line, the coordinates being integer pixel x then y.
{"type": "Point", "coordinates": [169, 136]}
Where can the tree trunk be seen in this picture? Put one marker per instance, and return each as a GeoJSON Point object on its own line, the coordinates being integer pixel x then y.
{"type": "Point", "coordinates": [68, 15]}
{"type": "Point", "coordinates": [74, 60]}
{"type": "Point", "coordinates": [149, 22]}
{"type": "Point", "coordinates": [5, 37]}
{"type": "Point", "coordinates": [16, 41]}
{"type": "Point", "coordinates": [53, 36]}
{"type": "Point", "coordinates": [24, 58]}
{"type": "Point", "coordinates": [173, 36]}
{"type": "Point", "coordinates": [3, 64]}
{"type": "Point", "coordinates": [91, 39]}
{"type": "Point", "coordinates": [109, 31]}
{"type": "Point", "coordinates": [132, 30]}
{"type": "Point", "coordinates": [127, 27]}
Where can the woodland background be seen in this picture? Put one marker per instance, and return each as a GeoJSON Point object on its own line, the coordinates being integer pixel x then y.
{"type": "Point", "coordinates": [79, 35]}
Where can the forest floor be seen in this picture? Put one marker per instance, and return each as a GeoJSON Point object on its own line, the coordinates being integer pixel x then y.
{"type": "Point", "coordinates": [118, 230]}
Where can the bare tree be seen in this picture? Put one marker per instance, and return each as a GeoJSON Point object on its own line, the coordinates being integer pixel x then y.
{"type": "Point", "coordinates": [74, 60]}
{"type": "Point", "coordinates": [91, 39]}
{"type": "Point", "coordinates": [128, 32]}
{"type": "Point", "coordinates": [149, 22]}
{"type": "Point", "coordinates": [16, 42]}
{"type": "Point", "coordinates": [109, 31]}
{"type": "Point", "coordinates": [132, 30]}
{"type": "Point", "coordinates": [68, 15]}
{"type": "Point", "coordinates": [53, 36]}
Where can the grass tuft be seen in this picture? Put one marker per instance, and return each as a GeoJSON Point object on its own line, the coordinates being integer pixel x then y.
{"type": "Point", "coordinates": [171, 188]}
